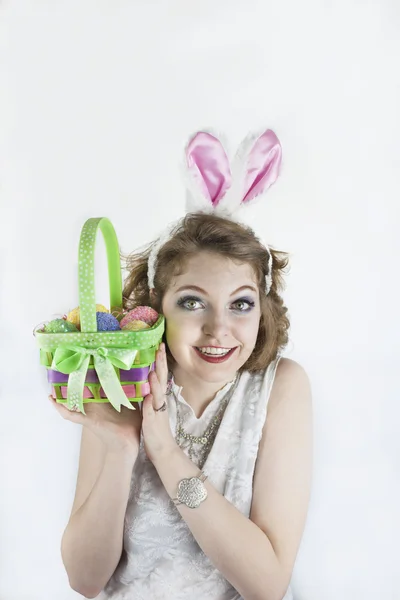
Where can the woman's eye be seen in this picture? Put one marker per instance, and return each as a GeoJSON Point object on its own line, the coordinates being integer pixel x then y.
{"type": "Point", "coordinates": [251, 304]}
{"type": "Point", "coordinates": [188, 304]}
{"type": "Point", "coordinates": [185, 302]}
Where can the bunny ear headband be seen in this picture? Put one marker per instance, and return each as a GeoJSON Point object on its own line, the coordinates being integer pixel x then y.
{"type": "Point", "coordinates": [213, 187]}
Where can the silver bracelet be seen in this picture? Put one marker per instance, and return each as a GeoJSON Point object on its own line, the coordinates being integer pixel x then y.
{"type": "Point", "coordinates": [191, 492]}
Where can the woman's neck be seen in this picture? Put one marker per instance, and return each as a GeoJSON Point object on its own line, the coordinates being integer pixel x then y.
{"type": "Point", "coordinates": [197, 392]}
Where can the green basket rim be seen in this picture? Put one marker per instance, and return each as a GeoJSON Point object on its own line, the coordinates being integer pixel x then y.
{"type": "Point", "coordinates": [122, 333]}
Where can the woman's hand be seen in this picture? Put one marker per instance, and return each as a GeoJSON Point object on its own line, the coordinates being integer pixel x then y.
{"type": "Point", "coordinates": [157, 434]}
{"type": "Point", "coordinates": [119, 431]}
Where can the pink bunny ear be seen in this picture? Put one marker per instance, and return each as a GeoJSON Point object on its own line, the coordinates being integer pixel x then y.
{"type": "Point", "coordinates": [262, 167]}
{"type": "Point", "coordinates": [208, 166]}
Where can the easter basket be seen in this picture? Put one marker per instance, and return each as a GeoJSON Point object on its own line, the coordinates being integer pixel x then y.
{"type": "Point", "coordinates": [99, 366]}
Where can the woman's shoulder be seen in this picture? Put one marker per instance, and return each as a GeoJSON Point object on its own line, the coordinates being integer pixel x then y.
{"type": "Point", "coordinates": [282, 367]}
{"type": "Point", "coordinates": [291, 380]}
{"type": "Point", "coordinates": [281, 378]}
{"type": "Point", "coordinates": [289, 367]}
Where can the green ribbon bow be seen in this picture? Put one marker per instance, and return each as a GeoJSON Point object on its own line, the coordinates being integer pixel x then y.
{"type": "Point", "coordinates": [74, 360]}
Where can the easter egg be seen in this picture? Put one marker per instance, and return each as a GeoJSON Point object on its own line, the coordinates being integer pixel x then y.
{"type": "Point", "coordinates": [74, 315]}
{"type": "Point", "coordinates": [107, 322]}
{"type": "Point", "coordinates": [59, 326]}
{"type": "Point", "coordinates": [135, 325]}
{"type": "Point", "coordinates": [141, 313]}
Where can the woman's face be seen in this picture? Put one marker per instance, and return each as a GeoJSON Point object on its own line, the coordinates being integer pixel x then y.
{"type": "Point", "coordinates": [221, 315]}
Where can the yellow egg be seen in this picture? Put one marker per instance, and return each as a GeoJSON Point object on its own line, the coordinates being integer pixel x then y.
{"type": "Point", "coordinates": [74, 315]}
{"type": "Point", "coordinates": [136, 325]}
{"type": "Point", "coordinates": [101, 308]}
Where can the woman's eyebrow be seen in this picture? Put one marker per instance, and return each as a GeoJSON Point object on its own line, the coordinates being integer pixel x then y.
{"type": "Point", "coordinates": [199, 289]}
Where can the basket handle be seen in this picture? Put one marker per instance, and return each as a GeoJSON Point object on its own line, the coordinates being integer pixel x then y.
{"type": "Point", "coordinates": [87, 245]}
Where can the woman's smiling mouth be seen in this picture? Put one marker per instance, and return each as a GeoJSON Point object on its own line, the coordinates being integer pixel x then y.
{"type": "Point", "coordinates": [215, 357]}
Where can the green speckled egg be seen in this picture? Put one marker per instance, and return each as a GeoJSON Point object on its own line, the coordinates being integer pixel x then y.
{"type": "Point", "coordinates": [59, 326]}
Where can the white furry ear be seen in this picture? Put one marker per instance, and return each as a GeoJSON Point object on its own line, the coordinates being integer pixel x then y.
{"type": "Point", "coordinates": [206, 172]}
{"type": "Point", "coordinates": [254, 169]}
{"type": "Point", "coordinates": [214, 189]}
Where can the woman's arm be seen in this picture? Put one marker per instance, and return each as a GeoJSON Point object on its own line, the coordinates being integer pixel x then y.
{"type": "Point", "coordinates": [93, 539]}
{"type": "Point", "coordinates": [257, 555]}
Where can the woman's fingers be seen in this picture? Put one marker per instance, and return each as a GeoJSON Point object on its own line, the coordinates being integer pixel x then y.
{"type": "Point", "coordinates": [158, 379]}
{"type": "Point", "coordinates": [162, 367]}
{"type": "Point", "coordinates": [157, 393]}
{"type": "Point", "coordinates": [70, 415]}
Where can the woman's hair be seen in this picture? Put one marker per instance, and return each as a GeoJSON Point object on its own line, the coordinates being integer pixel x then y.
{"type": "Point", "coordinates": [198, 232]}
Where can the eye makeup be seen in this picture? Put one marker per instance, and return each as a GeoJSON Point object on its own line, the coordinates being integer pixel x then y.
{"type": "Point", "coordinates": [181, 302]}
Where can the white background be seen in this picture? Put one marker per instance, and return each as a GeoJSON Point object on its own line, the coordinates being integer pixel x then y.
{"type": "Point", "coordinates": [97, 101]}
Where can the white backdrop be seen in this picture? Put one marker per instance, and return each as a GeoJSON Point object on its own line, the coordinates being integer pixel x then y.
{"type": "Point", "coordinates": [97, 101]}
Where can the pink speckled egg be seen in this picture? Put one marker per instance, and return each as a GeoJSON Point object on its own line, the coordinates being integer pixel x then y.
{"type": "Point", "coordinates": [140, 313]}
{"type": "Point", "coordinates": [135, 325]}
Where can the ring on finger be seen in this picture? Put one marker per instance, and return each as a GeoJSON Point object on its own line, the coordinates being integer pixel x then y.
{"type": "Point", "coordinates": [162, 407]}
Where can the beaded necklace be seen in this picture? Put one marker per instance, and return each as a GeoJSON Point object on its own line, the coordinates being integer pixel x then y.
{"type": "Point", "coordinates": [206, 440]}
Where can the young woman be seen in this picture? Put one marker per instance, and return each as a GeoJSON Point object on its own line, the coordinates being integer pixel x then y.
{"type": "Point", "coordinates": [204, 491]}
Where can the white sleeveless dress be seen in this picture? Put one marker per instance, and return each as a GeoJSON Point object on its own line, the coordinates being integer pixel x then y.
{"type": "Point", "coordinates": [161, 559]}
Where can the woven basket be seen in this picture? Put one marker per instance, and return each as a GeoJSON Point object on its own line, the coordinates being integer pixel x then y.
{"type": "Point", "coordinates": [92, 366]}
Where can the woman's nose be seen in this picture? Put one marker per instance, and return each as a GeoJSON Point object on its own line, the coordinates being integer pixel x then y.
{"type": "Point", "coordinates": [216, 325]}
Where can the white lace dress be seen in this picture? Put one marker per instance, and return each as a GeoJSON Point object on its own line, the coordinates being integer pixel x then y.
{"type": "Point", "coordinates": [161, 559]}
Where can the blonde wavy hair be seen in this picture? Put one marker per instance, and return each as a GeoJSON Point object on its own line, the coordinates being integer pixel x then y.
{"type": "Point", "coordinates": [198, 232]}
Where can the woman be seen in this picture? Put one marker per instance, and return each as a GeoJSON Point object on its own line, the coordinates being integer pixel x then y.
{"type": "Point", "coordinates": [204, 491]}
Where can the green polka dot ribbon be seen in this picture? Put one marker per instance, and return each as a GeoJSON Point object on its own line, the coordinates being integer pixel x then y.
{"type": "Point", "coordinates": [87, 245]}
{"type": "Point", "coordinates": [109, 350]}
